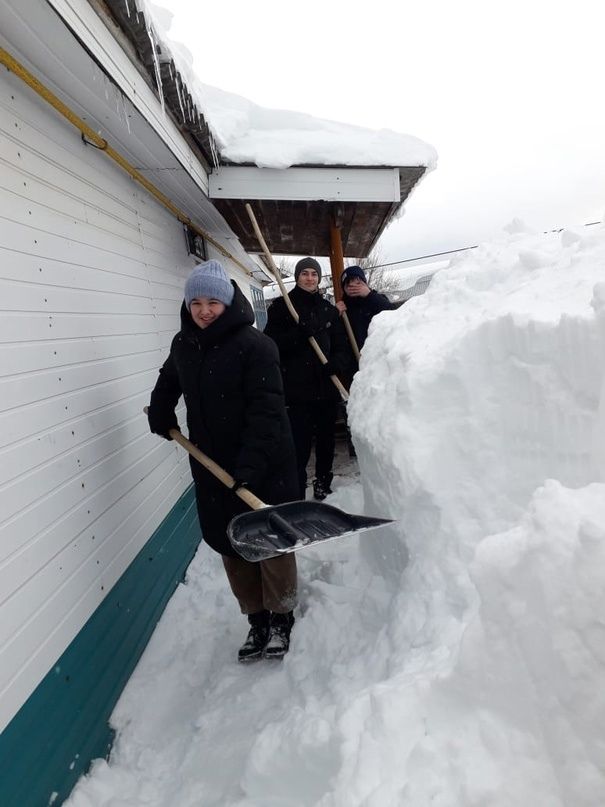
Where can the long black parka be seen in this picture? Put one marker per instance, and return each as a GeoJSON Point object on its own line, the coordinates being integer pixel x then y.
{"type": "Point", "coordinates": [230, 379]}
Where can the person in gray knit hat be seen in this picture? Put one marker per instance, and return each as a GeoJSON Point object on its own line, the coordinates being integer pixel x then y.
{"type": "Point", "coordinates": [210, 280]}
{"type": "Point", "coordinates": [229, 376]}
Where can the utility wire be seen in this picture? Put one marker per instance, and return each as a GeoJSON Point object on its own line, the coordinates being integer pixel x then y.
{"type": "Point", "coordinates": [423, 257]}
{"type": "Point", "coordinates": [460, 249]}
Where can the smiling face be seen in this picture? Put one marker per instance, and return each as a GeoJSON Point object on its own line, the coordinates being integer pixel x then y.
{"type": "Point", "coordinates": [308, 279]}
{"type": "Point", "coordinates": [205, 310]}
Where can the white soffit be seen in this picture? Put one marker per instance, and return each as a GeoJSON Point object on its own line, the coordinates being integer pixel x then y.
{"type": "Point", "coordinates": [306, 184]}
{"type": "Point", "coordinates": [89, 28]}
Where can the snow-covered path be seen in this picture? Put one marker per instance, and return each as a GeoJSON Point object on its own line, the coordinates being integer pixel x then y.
{"type": "Point", "coordinates": [197, 728]}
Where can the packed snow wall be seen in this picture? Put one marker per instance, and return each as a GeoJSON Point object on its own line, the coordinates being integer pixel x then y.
{"type": "Point", "coordinates": [479, 420]}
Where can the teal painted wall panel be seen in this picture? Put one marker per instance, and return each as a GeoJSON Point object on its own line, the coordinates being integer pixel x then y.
{"type": "Point", "coordinates": [65, 722]}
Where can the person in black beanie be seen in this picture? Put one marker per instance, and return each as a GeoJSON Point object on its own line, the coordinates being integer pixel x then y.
{"type": "Point", "coordinates": [360, 302]}
{"type": "Point", "coordinates": [311, 397]}
{"type": "Point", "coordinates": [228, 373]}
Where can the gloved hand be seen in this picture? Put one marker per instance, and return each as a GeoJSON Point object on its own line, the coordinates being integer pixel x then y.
{"type": "Point", "coordinates": [306, 328]}
{"type": "Point", "coordinates": [161, 424]}
{"type": "Point", "coordinates": [237, 484]}
{"type": "Point", "coordinates": [329, 368]}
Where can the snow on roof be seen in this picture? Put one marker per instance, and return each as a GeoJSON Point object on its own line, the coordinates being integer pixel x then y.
{"type": "Point", "coordinates": [277, 138]}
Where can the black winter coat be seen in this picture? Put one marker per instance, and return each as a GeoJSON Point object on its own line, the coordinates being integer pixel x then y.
{"type": "Point", "coordinates": [229, 376]}
{"type": "Point", "coordinates": [360, 311]}
{"type": "Point", "coordinates": [305, 379]}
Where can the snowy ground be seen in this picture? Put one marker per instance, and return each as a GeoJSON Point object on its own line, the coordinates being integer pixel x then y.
{"type": "Point", "coordinates": [457, 658]}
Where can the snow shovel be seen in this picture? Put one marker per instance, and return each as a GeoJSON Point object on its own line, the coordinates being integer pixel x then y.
{"type": "Point", "coordinates": [273, 530]}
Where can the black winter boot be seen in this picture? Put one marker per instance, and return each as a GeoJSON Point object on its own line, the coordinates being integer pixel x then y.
{"type": "Point", "coordinates": [279, 635]}
{"type": "Point", "coordinates": [257, 637]}
{"type": "Point", "coordinates": [321, 489]}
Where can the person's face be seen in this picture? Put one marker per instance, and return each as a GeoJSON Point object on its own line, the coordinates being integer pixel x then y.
{"type": "Point", "coordinates": [355, 287]}
{"type": "Point", "coordinates": [205, 310]}
{"type": "Point", "coordinates": [308, 280]}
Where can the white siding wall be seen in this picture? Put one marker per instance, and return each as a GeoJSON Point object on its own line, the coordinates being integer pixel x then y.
{"type": "Point", "coordinates": [91, 277]}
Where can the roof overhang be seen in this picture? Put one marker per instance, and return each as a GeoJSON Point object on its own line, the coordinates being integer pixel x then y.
{"type": "Point", "coordinates": [297, 207]}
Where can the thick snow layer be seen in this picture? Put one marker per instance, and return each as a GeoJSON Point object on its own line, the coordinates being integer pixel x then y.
{"type": "Point", "coordinates": [277, 138]}
{"type": "Point", "coordinates": [456, 658]}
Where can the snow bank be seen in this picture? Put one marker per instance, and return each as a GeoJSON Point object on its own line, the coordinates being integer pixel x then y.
{"type": "Point", "coordinates": [455, 660]}
{"type": "Point", "coordinates": [479, 419]}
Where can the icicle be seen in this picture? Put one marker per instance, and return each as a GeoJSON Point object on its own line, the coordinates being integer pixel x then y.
{"type": "Point", "coordinates": [121, 101]}
{"type": "Point", "coordinates": [179, 85]}
{"type": "Point", "coordinates": [156, 62]}
{"type": "Point", "coordinates": [215, 157]}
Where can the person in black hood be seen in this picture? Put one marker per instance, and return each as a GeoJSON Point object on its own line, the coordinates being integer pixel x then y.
{"type": "Point", "coordinates": [311, 396]}
{"type": "Point", "coordinates": [360, 302]}
{"type": "Point", "coordinates": [229, 375]}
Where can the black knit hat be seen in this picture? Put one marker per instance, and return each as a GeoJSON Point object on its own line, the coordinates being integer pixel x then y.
{"type": "Point", "coordinates": [352, 271]}
{"type": "Point", "coordinates": [307, 263]}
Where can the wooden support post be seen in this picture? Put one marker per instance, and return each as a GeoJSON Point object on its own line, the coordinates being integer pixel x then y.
{"type": "Point", "coordinates": [337, 265]}
{"type": "Point", "coordinates": [337, 261]}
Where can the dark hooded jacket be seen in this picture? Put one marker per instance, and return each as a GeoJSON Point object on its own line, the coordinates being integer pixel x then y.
{"type": "Point", "coordinates": [305, 379]}
{"type": "Point", "coordinates": [360, 311]}
{"type": "Point", "coordinates": [230, 379]}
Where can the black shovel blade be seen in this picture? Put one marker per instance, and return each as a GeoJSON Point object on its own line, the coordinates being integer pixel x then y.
{"type": "Point", "coordinates": [273, 531]}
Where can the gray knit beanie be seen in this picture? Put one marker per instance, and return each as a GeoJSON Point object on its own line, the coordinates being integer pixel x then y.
{"type": "Point", "coordinates": [307, 263]}
{"type": "Point", "coordinates": [209, 279]}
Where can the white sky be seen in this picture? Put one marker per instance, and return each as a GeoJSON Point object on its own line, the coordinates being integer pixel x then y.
{"type": "Point", "coordinates": [508, 93]}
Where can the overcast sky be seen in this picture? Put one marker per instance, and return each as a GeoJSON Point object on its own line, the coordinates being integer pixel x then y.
{"type": "Point", "coordinates": [509, 93]}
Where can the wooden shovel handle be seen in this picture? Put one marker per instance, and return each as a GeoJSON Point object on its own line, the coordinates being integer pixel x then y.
{"type": "Point", "coordinates": [351, 336]}
{"type": "Point", "coordinates": [312, 341]}
{"type": "Point", "coordinates": [245, 495]}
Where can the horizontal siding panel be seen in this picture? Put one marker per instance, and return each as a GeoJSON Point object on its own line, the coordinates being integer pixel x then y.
{"type": "Point", "coordinates": [24, 194]}
{"type": "Point", "coordinates": [29, 490]}
{"type": "Point", "coordinates": [33, 513]}
{"type": "Point", "coordinates": [38, 298]}
{"type": "Point", "coordinates": [77, 522]}
{"type": "Point", "coordinates": [55, 154]}
{"type": "Point", "coordinates": [73, 231]}
{"type": "Point", "coordinates": [49, 414]}
{"type": "Point", "coordinates": [76, 439]}
{"type": "Point", "coordinates": [65, 170]}
{"type": "Point", "coordinates": [59, 618]}
{"type": "Point", "coordinates": [32, 326]}
{"type": "Point", "coordinates": [18, 391]}
{"type": "Point", "coordinates": [30, 357]}
{"type": "Point", "coordinates": [27, 268]}
{"type": "Point", "coordinates": [41, 244]}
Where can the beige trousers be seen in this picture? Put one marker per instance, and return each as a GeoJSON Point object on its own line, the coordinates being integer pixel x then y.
{"type": "Point", "coordinates": [268, 584]}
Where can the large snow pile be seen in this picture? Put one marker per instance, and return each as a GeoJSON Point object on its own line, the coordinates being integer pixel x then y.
{"type": "Point", "coordinates": [456, 659]}
{"type": "Point", "coordinates": [479, 416]}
